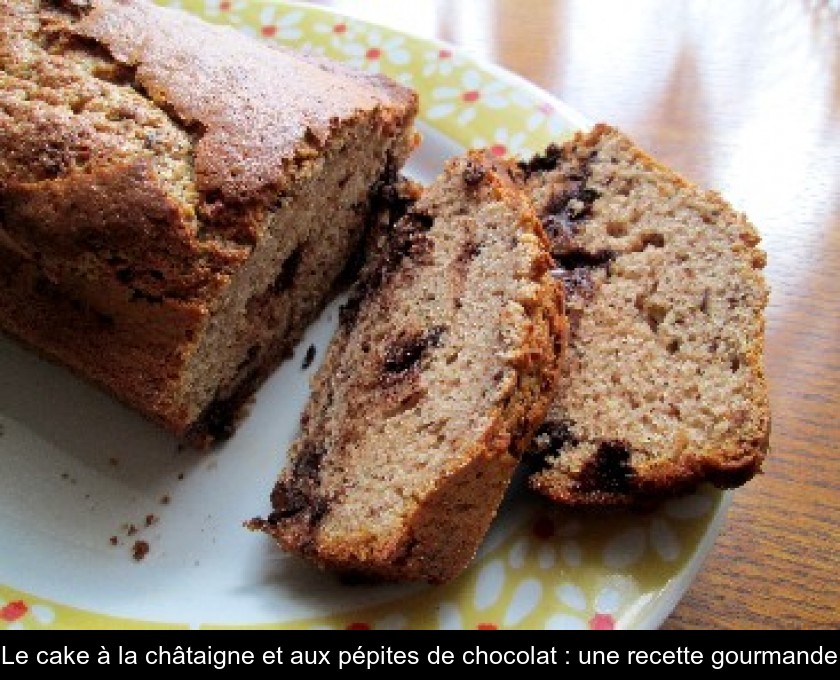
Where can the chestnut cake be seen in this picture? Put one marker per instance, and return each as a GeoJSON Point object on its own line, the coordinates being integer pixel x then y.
{"type": "Point", "coordinates": [445, 360]}
{"type": "Point", "coordinates": [178, 200]}
{"type": "Point", "coordinates": [664, 385]}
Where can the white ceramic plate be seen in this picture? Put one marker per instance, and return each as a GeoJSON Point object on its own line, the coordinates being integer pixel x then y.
{"type": "Point", "coordinates": [82, 478]}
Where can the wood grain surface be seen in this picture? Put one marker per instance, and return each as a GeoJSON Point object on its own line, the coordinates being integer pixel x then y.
{"type": "Point", "coordinates": [742, 97]}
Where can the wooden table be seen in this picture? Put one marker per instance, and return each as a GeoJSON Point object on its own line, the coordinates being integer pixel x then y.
{"type": "Point", "coordinates": [743, 97]}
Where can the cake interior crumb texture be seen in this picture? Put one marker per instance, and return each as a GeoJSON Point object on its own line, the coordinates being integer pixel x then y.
{"type": "Point", "coordinates": [446, 357]}
{"type": "Point", "coordinates": [664, 386]}
{"type": "Point", "coordinates": [178, 200]}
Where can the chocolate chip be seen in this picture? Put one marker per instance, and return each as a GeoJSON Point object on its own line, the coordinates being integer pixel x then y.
{"type": "Point", "coordinates": [654, 239]}
{"type": "Point", "coordinates": [469, 250]}
{"type": "Point", "coordinates": [125, 275]}
{"type": "Point", "coordinates": [704, 301]}
{"type": "Point", "coordinates": [308, 463]}
{"type": "Point", "coordinates": [544, 162]}
{"type": "Point", "coordinates": [578, 283]}
{"type": "Point", "coordinates": [588, 195]}
{"type": "Point", "coordinates": [403, 355]}
{"type": "Point", "coordinates": [473, 174]}
{"type": "Point", "coordinates": [560, 232]}
{"type": "Point", "coordinates": [288, 271]}
{"type": "Point", "coordinates": [406, 351]}
{"type": "Point", "coordinates": [574, 203]}
{"type": "Point", "coordinates": [309, 357]}
{"type": "Point", "coordinates": [138, 294]}
{"type": "Point", "coordinates": [220, 419]}
{"type": "Point", "coordinates": [349, 311]}
{"type": "Point", "coordinates": [577, 259]}
{"type": "Point", "coordinates": [608, 470]}
{"type": "Point", "coordinates": [424, 221]}
{"type": "Point", "coordinates": [300, 491]}
{"type": "Point", "coordinates": [391, 194]}
{"type": "Point", "coordinates": [549, 441]}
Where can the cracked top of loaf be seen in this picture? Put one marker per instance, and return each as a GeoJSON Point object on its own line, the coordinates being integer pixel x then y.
{"type": "Point", "coordinates": [132, 131]}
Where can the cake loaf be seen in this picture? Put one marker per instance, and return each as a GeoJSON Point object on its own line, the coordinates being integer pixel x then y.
{"type": "Point", "coordinates": [664, 386]}
{"type": "Point", "coordinates": [177, 200]}
{"type": "Point", "coordinates": [445, 360]}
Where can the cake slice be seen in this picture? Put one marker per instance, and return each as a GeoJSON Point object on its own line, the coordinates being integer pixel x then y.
{"type": "Point", "coordinates": [443, 365]}
{"type": "Point", "coordinates": [178, 200]}
{"type": "Point", "coordinates": [664, 386]}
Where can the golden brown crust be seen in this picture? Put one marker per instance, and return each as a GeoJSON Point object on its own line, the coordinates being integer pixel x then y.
{"type": "Point", "coordinates": [258, 133]}
{"type": "Point", "coordinates": [444, 364]}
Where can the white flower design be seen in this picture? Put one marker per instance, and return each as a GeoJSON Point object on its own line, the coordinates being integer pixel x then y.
{"type": "Point", "coordinates": [18, 615]}
{"type": "Point", "coordinates": [525, 599]}
{"type": "Point", "coordinates": [340, 31]}
{"type": "Point", "coordinates": [614, 594]}
{"type": "Point", "coordinates": [489, 584]}
{"type": "Point", "coordinates": [625, 548]}
{"type": "Point", "coordinates": [629, 546]}
{"type": "Point", "coordinates": [441, 61]}
{"type": "Point", "coordinates": [544, 114]}
{"type": "Point", "coordinates": [690, 507]}
{"type": "Point", "coordinates": [312, 48]}
{"type": "Point", "coordinates": [449, 616]}
{"type": "Point", "coordinates": [504, 143]}
{"type": "Point", "coordinates": [557, 542]}
{"type": "Point", "coordinates": [374, 50]}
{"type": "Point", "coordinates": [394, 621]}
{"type": "Point", "coordinates": [228, 8]}
{"type": "Point", "coordinates": [280, 25]}
{"type": "Point", "coordinates": [476, 91]}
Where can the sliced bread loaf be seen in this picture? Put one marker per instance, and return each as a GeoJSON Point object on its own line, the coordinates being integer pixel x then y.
{"type": "Point", "coordinates": [664, 385]}
{"type": "Point", "coordinates": [177, 199]}
{"type": "Point", "coordinates": [443, 366]}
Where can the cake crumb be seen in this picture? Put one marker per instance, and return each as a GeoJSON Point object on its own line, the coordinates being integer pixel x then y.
{"type": "Point", "coordinates": [180, 476]}
{"type": "Point", "coordinates": [164, 500]}
{"type": "Point", "coordinates": [114, 540]}
{"type": "Point", "coordinates": [139, 550]}
{"type": "Point", "coordinates": [151, 519]}
{"type": "Point", "coordinates": [309, 357]}
{"type": "Point", "coordinates": [131, 530]}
